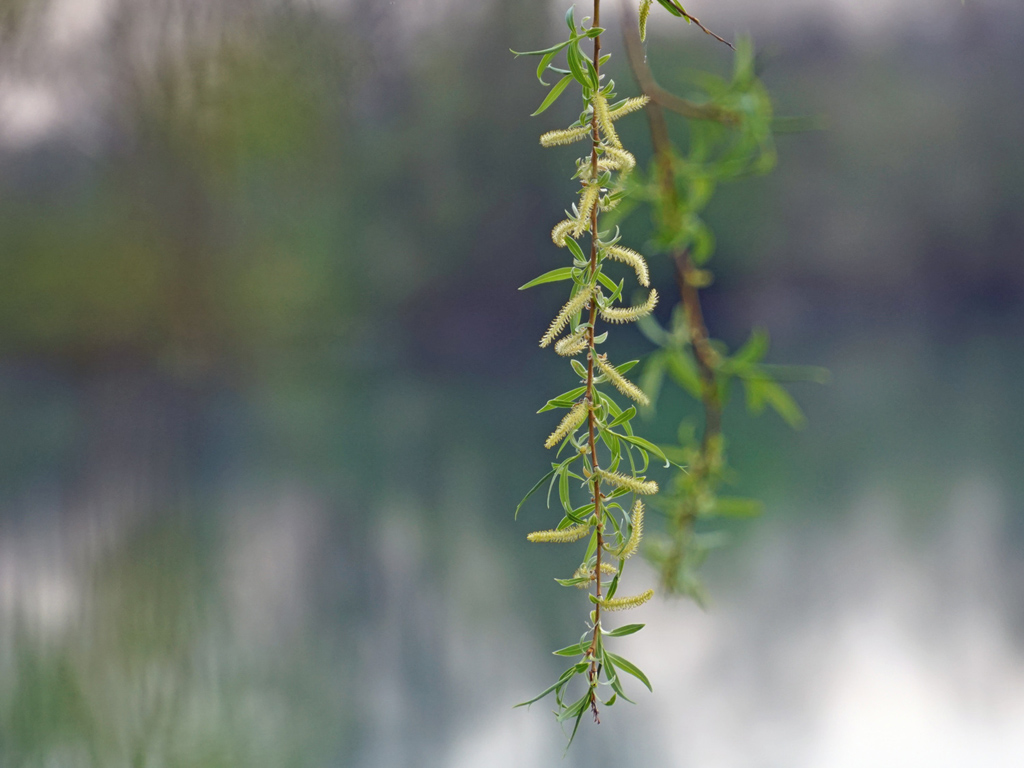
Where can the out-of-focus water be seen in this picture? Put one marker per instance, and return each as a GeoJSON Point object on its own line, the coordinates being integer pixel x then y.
{"type": "Point", "coordinates": [180, 585]}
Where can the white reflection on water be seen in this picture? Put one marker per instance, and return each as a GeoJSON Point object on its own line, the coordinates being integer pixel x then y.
{"type": "Point", "coordinates": [849, 646]}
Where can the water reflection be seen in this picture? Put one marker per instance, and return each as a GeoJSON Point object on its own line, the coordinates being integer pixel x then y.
{"type": "Point", "coordinates": [282, 624]}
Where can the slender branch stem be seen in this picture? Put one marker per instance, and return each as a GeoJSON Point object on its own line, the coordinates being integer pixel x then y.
{"type": "Point", "coordinates": [684, 268]}
{"type": "Point", "coordinates": [658, 95]}
{"type": "Point", "coordinates": [591, 355]}
{"type": "Point", "coordinates": [702, 350]}
{"type": "Point", "coordinates": [688, 293]}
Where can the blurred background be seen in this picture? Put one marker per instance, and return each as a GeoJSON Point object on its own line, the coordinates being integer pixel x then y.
{"type": "Point", "coordinates": [267, 391]}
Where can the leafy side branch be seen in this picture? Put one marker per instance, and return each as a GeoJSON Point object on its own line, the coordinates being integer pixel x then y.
{"type": "Point", "coordinates": [731, 138]}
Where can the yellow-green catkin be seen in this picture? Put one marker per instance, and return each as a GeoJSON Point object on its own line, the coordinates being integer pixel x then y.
{"type": "Point", "coordinates": [564, 536]}
{"type": "Point", "coordinates": [572, 345]}
{"type": "Point", "coordinates": [565, 136]}
{"type": "Point", "coordinates": [588, 199]}
{"type": "Point", "coordinates": [617, 160]}
{"type": "Point", "coordinates": [636, 533]}
{"type": "Point", "coordinates": [625, 603]}
{"type": "Point", "coordinates": [572, 306]}
{"type": "Point", "coordinates": [633, 259]}
{"type": "Point", "coordinates": [629, 105]}
{"type": "Point", "coordinates": [645, 12]}
{"type": "Point", "coordinates": [634, 484]}
{"type": "Point", "coordinates": [569, 423]}
{"type": "Point", "coordinates": [604, 119]}
{"type": "Point", "coordinates": [561, 231]}
{"type": "Point", "coordinates": [630, 314]}
{"type": "Point", "coordinates": [620, 382]}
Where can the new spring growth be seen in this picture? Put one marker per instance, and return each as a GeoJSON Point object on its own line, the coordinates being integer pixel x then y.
{"type": "Point", "coordinates": [635, 534]}
{"type": "Point", "coordinates": [645, 11]}
{"type": "Point", "coordinates": [561, 231]}
{"type": "Point", "coordinates": [588, 199]}
{"type": "Point", "coordinates": [572, 345]}
{"type": "Point", "coordinates": [620, 382]}
{"type": "Point", "coordinates": [564, 536]}
{"type": "Point", "coordinates": [601, 174]}
{"type": "Point", "coordinates": [623, 108]}
{"type": "Point", "coordinates": [625, 603]}
{"type": "Point", "coordinates": [617, 160]}
{"type": "Point", "coordinates": [572, 306]}
{"type": "Point", "coordinates": [634, 484]}
{"type": "Point", "coordinates": [587, 572]}
{"type": "Point", "coordinates": [569, 424]}
{"type": "Point", "coordinates": [630, 314]}
{"type": "Point", "coordinates": [565, 136]}
{"type": "Point", "coordinates": [604, 118]}
{"type": "Point", "coordinates": [633, 259]}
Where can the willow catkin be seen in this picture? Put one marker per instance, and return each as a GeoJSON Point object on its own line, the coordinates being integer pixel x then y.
{"type": "Point", "coordinates": [630, 314]}
{"type": "Point", "coordinates": [569, 423]}
{"type": "Point", "coordinates": [625, 603]}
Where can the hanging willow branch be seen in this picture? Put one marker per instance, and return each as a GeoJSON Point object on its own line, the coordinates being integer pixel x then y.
{"type": "Point", "coordinates": [594, 416]}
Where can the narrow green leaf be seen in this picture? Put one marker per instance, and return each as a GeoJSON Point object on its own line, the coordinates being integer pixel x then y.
{"type": "Point", "coordinates": [626, 367]}
{"type": "Point", "coordinates": [575, 58]}
{"type": "Point", "coordinates": [531, 492]}
{"type": "Point", "coordinates": [564, 678]}
{"type": "Point", "coordinates": [553, 95]}
{"type": "Point", "coordinates": [646, 445]}
{"type": "Point", "coordinates": [544, 62]}
{"type": "Point", "coordinates": [563, 273]}
{"type": "Point", "coordinates": [613, 678]}
{"type": "Point", "coordinates": [575, 248]}
{"type": "Point", "coordinates": [761, 392]}
{"type": "Point", "coordinates": [569, 650]}
{"type": "Point", "coordinates": [612, 442]}
{"type": "Point", "coordinates": [626, 415]}
{"type": "Point", "coordinates": [617, 687]}
{"type": "Point", "coordinates": [670, 6]}
{"type": "Point", "coordinates": [611, 285]}
{"type": "Point", "coordinates": [558, 471]}
{"type": "Point", "coordinates": [754, 350]}
{"type": "Point", "coordinates": [544, 52]}
{"type": "Point", "coordinates": [563, 492]}
{"type": "Point", "coordinates": [575, 726]}
{"type": "Point", "coordinates": [575, 708]}
{"type": "Point", "coordinates": [651, 379]}
{"type": "Point", "coordinates": [565, 400]}
{"type": "Point", "coordinates": [613, 587]}
{"type": "Point", "coordinates": [683, 370]}
{"type": "Point", "coordinates": [627, 629]}
{"type": "Point", "coordinates": [595, 79]}
{"type": "Point", "coordinates": [573, 583]}
{"type": "Point", "coordinates": [627, 666]}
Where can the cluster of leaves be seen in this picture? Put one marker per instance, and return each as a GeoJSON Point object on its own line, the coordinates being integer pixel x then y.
{"type": "Point", "coordinates": [736, 143]}
{"type": "Point", "coordinates": [693, 495]}
{"type": "Point", "coordinates": [597, 430]}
